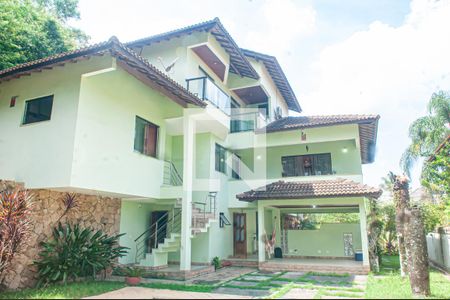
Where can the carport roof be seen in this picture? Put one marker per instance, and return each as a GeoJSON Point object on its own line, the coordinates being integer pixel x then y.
{"type": "Point", "coordinates": [311, 189]}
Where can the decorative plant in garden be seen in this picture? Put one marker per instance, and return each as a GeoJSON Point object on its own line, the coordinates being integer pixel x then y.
{"type": "Point", "coordinates": [75, 252]}
{"type": "Point", "coordinates": [15, 209]}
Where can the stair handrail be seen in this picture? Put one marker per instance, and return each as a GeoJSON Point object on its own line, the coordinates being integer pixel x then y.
{"type": "Point", "coordinates": [157, 228]}
{"type": "Point", "coordinates": [174, 176]}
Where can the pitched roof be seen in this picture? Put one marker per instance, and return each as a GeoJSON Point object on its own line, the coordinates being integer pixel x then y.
{"type": "Point", "coordinates": [125, 56]}
{"type": "Point", "coordinates": [238, 62]}
{"type": "Point", "coordinates": [368, 127]}
{"type": "Point", "coordinates": [312, 189]}
{"type": "Point", "coordinates": [278, 77]}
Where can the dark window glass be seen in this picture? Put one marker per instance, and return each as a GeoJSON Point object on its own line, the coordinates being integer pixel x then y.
{"type": "Point", "coordinates": [306, 165]}
{"type": "Point", "coordinates": [236, 167]}
{"type": "Point", "coordinates": [221, 157]}
{"type": "Point", "coordinates": [146, 137]}
{"type": "Point", "coordinates": [38, 110]}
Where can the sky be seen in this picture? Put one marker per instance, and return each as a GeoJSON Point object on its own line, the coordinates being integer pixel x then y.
{"type": "Point", "coordinates": [382, 57]}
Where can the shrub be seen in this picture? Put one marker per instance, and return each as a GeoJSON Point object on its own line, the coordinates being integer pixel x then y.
{"type": "Point", "coordinates": [15, 209]}
{"type": "Point", "coordinates": [75, 252]}
{"type": "Point", "coordinates": [134, 272]}
{"type": "Point", "coordinates": [216, 263]}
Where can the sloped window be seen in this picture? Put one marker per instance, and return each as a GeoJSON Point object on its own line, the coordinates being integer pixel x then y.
{"type": "Point", "coordinates": [38, 110]}
{"type": "Point", "coordinates": [146, 137]}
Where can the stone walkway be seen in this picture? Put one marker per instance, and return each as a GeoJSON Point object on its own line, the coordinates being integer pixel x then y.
{"type": "Point", "coordinates": [146, 293]}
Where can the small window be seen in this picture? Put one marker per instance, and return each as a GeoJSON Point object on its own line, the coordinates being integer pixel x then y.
{"type": "Point", "coordinates": [38, 110]}
{"type": "Point", "coordinates": [221, 157]}
{"type": "Point", "coordinates": [146, 137]}
{"type": "Point", "coordinates": [306, 165]}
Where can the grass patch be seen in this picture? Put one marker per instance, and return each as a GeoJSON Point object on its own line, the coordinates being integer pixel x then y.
{"type": "Point", "coordinates": [179, 287]}
{"type": "Point", "coordinates": [281, 291]}
{"type": "Point", "coordinates": [74, 290]}
{"type": "Point", "coordinates": [328, 274]}
{"type": "Point", "coordinates": [339, 294]}
{"type": "Point", "coordinates": [391, 286]}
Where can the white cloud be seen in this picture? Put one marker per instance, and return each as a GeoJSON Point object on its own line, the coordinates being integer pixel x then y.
{"type": "Point", "coordinates": [283, 21]}
{"type": "Point", "coordinates": [387, 70]}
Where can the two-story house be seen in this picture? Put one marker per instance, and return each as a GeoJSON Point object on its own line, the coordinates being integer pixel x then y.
{"type": "Point", "coordinates": [190, 136]}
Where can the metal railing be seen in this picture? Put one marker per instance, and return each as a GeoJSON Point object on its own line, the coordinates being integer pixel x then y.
{"type": "Point", "coordinates": [157, 232]}
{"type": "Point", "coordinates": [209, 206]}
{"type": "Point", "coordinates": [171, 175]}
{"type": "Point", "coordinates": [206, 89]}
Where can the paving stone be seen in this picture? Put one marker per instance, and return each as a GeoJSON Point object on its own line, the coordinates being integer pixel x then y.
{"type": "Point", "coordinates": [242, 283]}
{"type": "Point", "coordinates": [334, 279]}
{"type": "Point", "coordinates": [256, 278]}
{"type": "Point", "coordinates": [242, 292]}
{"type": "Point", "coordinates": [300, 294]}
{"type": "Point", "coordinates": [292, 275]}
{"type": "Point", "coordinates": [280, 282]}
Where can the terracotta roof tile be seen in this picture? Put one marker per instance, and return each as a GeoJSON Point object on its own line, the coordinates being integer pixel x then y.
{"type": "Point", "coordinates": [368, 128]}
{"type": "Point", "coordinates": [312, 189]}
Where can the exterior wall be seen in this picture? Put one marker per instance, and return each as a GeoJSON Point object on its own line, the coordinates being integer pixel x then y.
{"type": "Point", "coordinates": [98, 213]}
{"type": "Point", "coordinates": [326, 241]}
{"type": "Point", "coordinates": [51, 141]}
{"type": "Point", "coordinates": [135, 220]}
{"type": "Point", "coordinates": [438, 245]}
{"type": "Point", "coordinates": [104, 156]}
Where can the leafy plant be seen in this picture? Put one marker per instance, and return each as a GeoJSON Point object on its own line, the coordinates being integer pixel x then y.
{"type": "Point", "coordinates": [75, 252]}
{"type": "Point", "coordinates": [133, 272]}
{"type": "Point", "coordinates": [15, 209]}
{"type": "Point", "coordinates": [216, 263]}
{"type": "Point", "coordinates": [70, 203]}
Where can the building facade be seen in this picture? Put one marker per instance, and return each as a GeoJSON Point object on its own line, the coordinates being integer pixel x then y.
{"type": "Point", "coordinates": [192, 136]}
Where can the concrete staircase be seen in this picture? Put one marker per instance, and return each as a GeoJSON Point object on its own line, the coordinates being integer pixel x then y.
{"type": "Point", "coordinates": [158, 257]}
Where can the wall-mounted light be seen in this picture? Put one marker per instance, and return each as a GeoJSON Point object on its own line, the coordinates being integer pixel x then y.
{"type": "Point", "coordinates": [314, 206]}
{"type": "Point", "coordinates": [344, 150]}
{"type": "Point", "coordinates": [258, 157]}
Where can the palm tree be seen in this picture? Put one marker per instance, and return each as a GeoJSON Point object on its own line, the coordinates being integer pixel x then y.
{"type": "Point", "coordinates": [429, 131]}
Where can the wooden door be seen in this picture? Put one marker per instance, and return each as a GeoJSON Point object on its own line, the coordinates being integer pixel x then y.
{"type": "Point", "coordinates": [240, 235]}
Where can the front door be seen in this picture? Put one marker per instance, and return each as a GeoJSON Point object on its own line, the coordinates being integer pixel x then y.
{"type": "Point", "coordinates": [240, 235]}
{"type": "Point", "coordinates": [158, 230]}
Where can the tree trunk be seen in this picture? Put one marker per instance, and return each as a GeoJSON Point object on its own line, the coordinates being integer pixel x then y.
{"type": "Point", "coordinates": [419, 275]}
{"type": "Point", "coordinates": [374, 234]}
{"type": "Point", "coordinates": [401, 199]}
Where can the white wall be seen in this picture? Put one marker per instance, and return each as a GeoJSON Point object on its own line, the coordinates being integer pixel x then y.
{"type": "Point", "coordinates": [438, 246]}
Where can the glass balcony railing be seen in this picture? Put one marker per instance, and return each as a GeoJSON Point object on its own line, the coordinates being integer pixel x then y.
{"type": "Point", "coordinates": [248, 121]}
{"type": "Point", "coordinates": [207, 90]}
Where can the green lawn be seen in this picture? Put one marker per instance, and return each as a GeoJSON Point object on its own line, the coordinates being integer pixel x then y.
{"type": "Point", "coordinates": [70, 291]}
{"type": "Point", "coordinates": [389, 284]}
{"type": "Point", "coordinates": [85, 289]}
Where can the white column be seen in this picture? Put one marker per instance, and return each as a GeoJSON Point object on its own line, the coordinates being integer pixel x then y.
{"type": "Point", "coordinates": [363, 228]}
{"type": "Point", "coordinates": [188, 174]}
{"type": "Point", "coordinates": [261, 231]}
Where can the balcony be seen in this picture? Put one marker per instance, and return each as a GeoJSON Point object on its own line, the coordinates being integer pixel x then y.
{"type": "Point", "coordinates": [207, 90]}
{"type": "Point", "coordinates": [248, 121]}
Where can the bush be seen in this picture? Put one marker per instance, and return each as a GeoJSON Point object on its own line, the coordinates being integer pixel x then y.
{"type": "Point", "coordinates": [216, 263]}
{"type": "Point", "coordinates": [134, 272]}
{"type": "Point", "coordinates": [75, 252]}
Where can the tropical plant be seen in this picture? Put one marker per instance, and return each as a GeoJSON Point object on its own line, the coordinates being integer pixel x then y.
{"type": "Point", "coordinates": [33, 29]}
{"type": "Point", "coordinates": [70, 203]}
{"type": "Point", "coordinates": [15, 209]}
{"type": "Point", "coordinates": [216, 263]}
{"type": "Point", "coordinates": [428, 132]}
{"type": "Point", "coordinates": [133, 272]}
{"type": "Point", "coordinates": [75, 252]}
{"type": "Point", "coordinates": [436, 172]}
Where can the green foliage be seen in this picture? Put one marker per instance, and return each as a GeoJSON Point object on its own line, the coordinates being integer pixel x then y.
{"type": "Point", "coordinates": [31, 30]}
{"type": "Point", "coordinates": [338, 218]}
{"type": "Point", "coordinates": [75, 252]}
{"type": "Point", "coordinates": [433, 215]}
{"type": "Point", "coordinates": [436, 173]}
{"type": "Point", "coordinates": [216, 263]}
{"type": "Point", "coordinates": [428, 132]}
{"type": "Point", "coordinates": [134, 272]}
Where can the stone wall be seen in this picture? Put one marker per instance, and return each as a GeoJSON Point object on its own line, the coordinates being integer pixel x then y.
{"type": "Point", "coordinates": [92, 211]}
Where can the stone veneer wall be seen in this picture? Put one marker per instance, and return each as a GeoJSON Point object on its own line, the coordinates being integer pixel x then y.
{"type": "Point", "coordinates": [92, 211]}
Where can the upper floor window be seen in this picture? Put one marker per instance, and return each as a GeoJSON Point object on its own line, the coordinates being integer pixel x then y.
{"type": "Point", "coordinates": [221, 159]}
{"type": "Point", "coordinates": [306, 165]}
{"type": "Point", "coordinates": [146, 137]}
{"type": "Point", "coordinates": [38, 110]}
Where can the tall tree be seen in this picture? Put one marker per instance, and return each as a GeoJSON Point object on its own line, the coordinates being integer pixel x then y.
{"type": "Point", "coordinates": [33, 29]}
{"type": "Point", "coordinates": [428, 132]}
